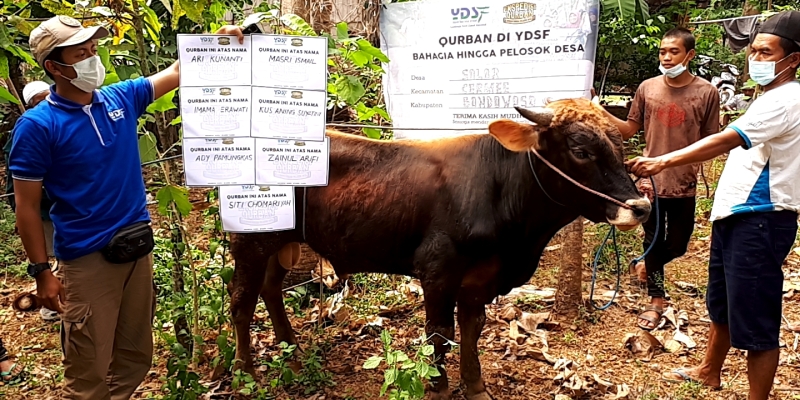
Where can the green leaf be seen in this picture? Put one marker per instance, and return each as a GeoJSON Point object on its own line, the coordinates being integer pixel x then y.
{"type": "Point", "coordinates": [23, 26]}
{"type": "Point", "coordinates": [7, 96]}
{"type": "Point", "coordinates": [152, 25]}
{"type": "Point", "coordinates": [177, 120]}
{"type": "Point", "coordinates": [359, 58]}
{"type": "Point", "coordinates": [173, 194]}
{"type": "Point", "coordinates": [389, 376]}
{"type": "Point", "coordinates": [427, 350]}
{"type": "Point", "coordinates": [3, 65]}
{"type": "Point", "coordinates": [349, 88]}
{"type": "Point", "coordinates": [386, 338]}
{"type": "Point", "coordinates": [163, 103]}
{"type": "Point", "coordinates": [417, 388]}
{"type": "Point", "coordinates": [372, 133]}
{"type": "Point", "coordinates": [401, 357]}
{"type": "Point", "coordinates": [193, 9]}
{"type": "Point", "coordinates": [422, 369]}
{"type": "Point", "coordinates": [111, 78]}
{"type": "Point", "coordinates": [147, 147]}
{"type": "Point", "coordinates": [372, 362]}
{"type": "Point", "coordinates": [341, 31]}
{"type": "Point", "coordinates": [226, 274]}
{"type": "Point", "coordinates": [298, 25]}
{"type": "Point", "coordinates": [367, 47]}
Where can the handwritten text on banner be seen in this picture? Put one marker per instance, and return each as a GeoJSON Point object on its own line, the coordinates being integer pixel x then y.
{"type": "Point", "coordinates": [251, 208]}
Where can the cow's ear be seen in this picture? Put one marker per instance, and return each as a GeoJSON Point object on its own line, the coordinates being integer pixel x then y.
{"type": "Point", "coordinates": [513, 135]}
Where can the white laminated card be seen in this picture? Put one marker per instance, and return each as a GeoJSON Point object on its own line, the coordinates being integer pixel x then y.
{"type": "Point", "coordinates": [288, 114]}
{"type": "Point", "coordinates": [219, 162]}
{"type": "Point", "coordinates": [290, 62]}
{"type": "Point", "coordinates": [251, 208]}
{"type": "Point", "coordinates": [216, 111]}
{"type": "Point", "coordinates": [214, 60]}
{"type": "Point", "coordinates": [292, 162]}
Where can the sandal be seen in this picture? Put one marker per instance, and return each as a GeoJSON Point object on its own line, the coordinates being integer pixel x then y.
{"type": "Point", "coordinates": [684, 377]}
{"type": "Point", "coordinates": [14, 375]}
{"type": "Point", "coordinates": [654, 321]}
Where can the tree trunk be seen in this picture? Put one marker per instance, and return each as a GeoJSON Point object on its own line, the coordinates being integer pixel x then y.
{"type": "Point", "coordinates": [568, 296]}
{"type": "Point", "coordinates": [748, 9]}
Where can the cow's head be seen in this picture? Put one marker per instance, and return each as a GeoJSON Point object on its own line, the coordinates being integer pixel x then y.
{"type": "Point", "coordinates": [576, 138]}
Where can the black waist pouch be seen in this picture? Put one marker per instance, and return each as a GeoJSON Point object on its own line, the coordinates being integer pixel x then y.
{"type": "Point", "coordinates": [129, 244]}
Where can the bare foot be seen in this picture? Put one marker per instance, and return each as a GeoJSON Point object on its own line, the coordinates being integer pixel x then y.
{"type": "Point", "coordinates": [641, 271]}
{"type": "Point", "coordinates": [696, 374]}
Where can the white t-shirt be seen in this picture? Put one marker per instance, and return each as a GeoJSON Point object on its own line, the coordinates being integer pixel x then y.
{"type": "Point", "coordinates": [766, 175]}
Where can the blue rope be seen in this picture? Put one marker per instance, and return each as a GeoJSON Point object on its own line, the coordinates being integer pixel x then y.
{"type": "Point", "coordinates": [612, 233]}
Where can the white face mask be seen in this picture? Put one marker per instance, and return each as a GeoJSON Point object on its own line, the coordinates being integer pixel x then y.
{"type": "Point", "coordinates": [763, 72]}
{"type": "Point", "coordinates": [673, 72]}
{"type": "Point", "coordinates": [90, 74]}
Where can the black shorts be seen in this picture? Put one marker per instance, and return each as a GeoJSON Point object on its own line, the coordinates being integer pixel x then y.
{"type": "Point", "coordinates": [745, 278]}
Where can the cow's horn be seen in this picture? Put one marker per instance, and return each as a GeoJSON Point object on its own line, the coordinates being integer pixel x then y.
{"type": "Point", "coordinates": [540, 115]}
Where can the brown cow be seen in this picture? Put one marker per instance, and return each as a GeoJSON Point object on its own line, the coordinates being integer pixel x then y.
{"type": "Point", "coordinates": [464, 215]}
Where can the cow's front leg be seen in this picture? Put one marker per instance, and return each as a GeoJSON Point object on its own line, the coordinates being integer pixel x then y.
{"type": "Point", "coordinates": [440, 329]}
{"type": "Point", "coordinates": [471, 318]}
{"type": "Point", "coordinates": [248, 278]}
{"type": "Point", "coordinates": [272, 293]}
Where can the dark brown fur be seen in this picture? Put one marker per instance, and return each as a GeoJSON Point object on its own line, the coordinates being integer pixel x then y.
{"type": "Point", "coordinates": [464, 215]}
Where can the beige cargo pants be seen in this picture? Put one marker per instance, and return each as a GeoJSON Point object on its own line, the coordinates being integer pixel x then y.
{"type": "Point", "coordinates": [106, 333]}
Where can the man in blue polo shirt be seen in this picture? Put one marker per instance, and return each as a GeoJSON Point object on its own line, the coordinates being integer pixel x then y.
{"type": "Point", "coordinates": [754, 217]}
{"type": "Point", "coordinates": [81, 144]}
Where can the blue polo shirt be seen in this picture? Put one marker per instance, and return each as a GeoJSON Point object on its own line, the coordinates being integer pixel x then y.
{"type": "Point", "coordinates": [88, 158]}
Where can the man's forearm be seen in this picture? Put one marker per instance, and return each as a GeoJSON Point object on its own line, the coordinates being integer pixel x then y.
{"type": "Point", "coordinates": [31, 230]}
{"type": "Point", "coordinates": [704, 149]}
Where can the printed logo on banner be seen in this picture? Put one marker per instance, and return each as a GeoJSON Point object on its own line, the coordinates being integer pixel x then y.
{"type": "Point", "coordinates": [467, 16]}
{"type": "Point", "coordinates": [519, 13]}
{"type": "Point", "coordinates": [224, 41]}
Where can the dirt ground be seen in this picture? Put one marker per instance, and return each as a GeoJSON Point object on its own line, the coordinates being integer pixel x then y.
{"type": "Point", "coordinates": [590, 358]}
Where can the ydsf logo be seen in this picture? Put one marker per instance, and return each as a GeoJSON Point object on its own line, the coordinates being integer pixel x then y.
{"type": "Point", "coordinates": [465, 15]}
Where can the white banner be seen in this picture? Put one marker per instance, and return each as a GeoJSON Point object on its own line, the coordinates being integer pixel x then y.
{"type": "Point", "coordinates": [462, 65]}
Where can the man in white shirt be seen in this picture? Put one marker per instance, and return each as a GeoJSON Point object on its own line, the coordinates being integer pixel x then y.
{"type": "Point", "coordinates": [754, 217]}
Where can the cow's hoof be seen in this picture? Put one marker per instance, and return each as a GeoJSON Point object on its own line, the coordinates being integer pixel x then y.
{"type": "Point", "coordinates": [443, 395]}
{"type": "Point", "coordinates": [480, 396]}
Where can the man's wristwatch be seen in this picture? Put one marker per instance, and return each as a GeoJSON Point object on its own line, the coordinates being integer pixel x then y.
{"type": "Point", "coordinates": [37, 268]}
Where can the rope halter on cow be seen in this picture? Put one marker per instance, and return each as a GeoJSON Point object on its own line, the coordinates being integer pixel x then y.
{"type": "Point", "coordinates": [611, 233]}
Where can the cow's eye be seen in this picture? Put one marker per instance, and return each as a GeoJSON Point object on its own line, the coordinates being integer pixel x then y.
{"type": "Point", "coordinates": [580, 154]}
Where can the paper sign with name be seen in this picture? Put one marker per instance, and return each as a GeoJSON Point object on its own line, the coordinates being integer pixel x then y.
{"type": "Point", "coordinates": [290, 62]}
{"type": "Point", "coordinates": [292, 162]}
{"type": "Point", "coordinates": [288, 114]}
{"type": "Point", "coordinates": [251, 208]}
{"type": "Point", "coordinates": [216, 111]}
{"type": "Point", "coordinates": [214, 60]}
{"type": "Point", "coordinates": [219, 162]}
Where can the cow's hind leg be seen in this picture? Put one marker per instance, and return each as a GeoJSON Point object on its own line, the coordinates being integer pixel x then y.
{"type": "Point", "coordinates": [248, 278]}
{"type": "Point", "coordinates": [471, 318]}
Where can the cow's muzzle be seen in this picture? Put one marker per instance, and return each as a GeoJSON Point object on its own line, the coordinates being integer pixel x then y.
{"type": "Point", "coordinates": [629, 218]}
